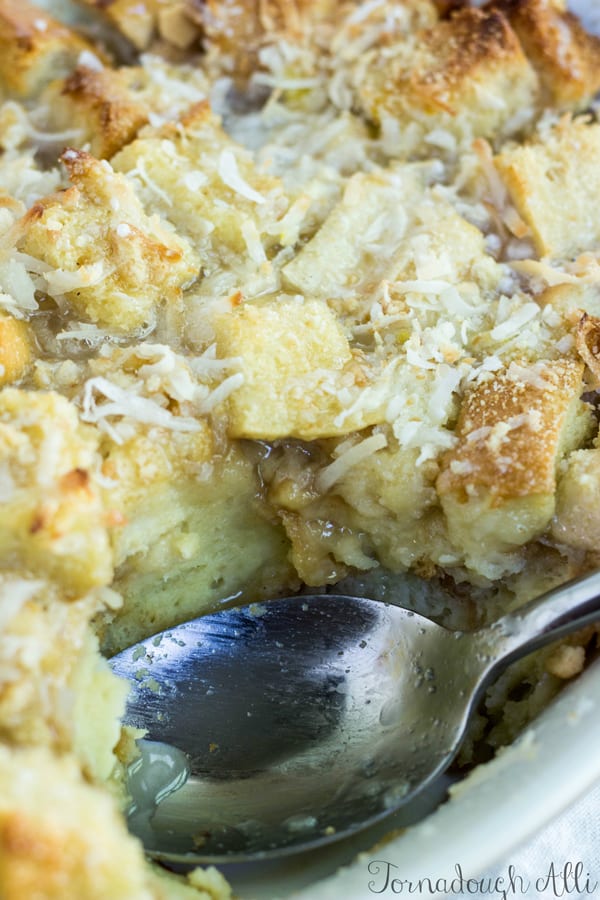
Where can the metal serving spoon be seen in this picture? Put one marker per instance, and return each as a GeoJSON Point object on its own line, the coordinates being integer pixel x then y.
{"type": "Point", "coordinates": [302, 720]}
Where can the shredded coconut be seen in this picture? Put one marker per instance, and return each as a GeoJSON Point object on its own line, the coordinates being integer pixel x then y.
{"type": "Point", "coordinates": [532, 375]}
{"type": "Point", "coordinates": [332, 473]}
{"type": "Point", "coordinates": [206, 365]}
{"type": "Point", "coordinates": [18, 288]}
{"type": "Point", "coordinates": [230, 175]}
{"type": "Point", "coordinates": [256, 251]}
{"type": "Point", "coordinates": [541, 269]}
{"type": "Point", "coordinates": [193, 181]}
{"type": "Point", "coordinates": [127, 404]}
{"type": "Point", "coordinates": [517, 320]}
{"type": "Point", "coordinates": [60, 281]}
{"type": "Point", "coordinates": [14, 594]}
{"type": "Point", "coordinates": [142, 174]}
{"type": "Point", "coordinates": [221, 392]}
{"type": "Point", "coordinates": [90, 61]}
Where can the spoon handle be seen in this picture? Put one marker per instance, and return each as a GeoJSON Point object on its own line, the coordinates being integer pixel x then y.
{"type": "Point", "coordinates": [551, 616]}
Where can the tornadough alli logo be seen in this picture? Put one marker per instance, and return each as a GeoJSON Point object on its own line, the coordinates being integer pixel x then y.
{"type": "Point", "coordinates": [571, 879]}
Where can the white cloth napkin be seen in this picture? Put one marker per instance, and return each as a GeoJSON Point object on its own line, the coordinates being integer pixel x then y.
{"type": "Point", "coordinates": [563, 860]}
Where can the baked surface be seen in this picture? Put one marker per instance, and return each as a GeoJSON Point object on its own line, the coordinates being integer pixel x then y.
{"type": "Point", "coordinates": [289, 293]}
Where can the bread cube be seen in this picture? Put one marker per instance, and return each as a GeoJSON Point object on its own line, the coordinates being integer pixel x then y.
{"type": "Point", "coordinates": [34, 48]}
{"type": "Point", "coordinates": [112, 262]}
{"type": "Point", "coordinates": [175, 21]}
{"type": "Point", "coordinates": [386, 226]}
{"type": "Point", "coordinates": [208, 186]}
{"type": "Point", "coordinates": [101, 103]}
{"type": "Point", "coordinates": [439, 244]}
{"type": "Point", "coordinates": [60, 837]}
{"type": "Point", "coordinates": [48, 652]}
{"type": "Point", "coordinates": [186, 526]}
{"type": "Point", "coordinates": [571, 300]}
{"type": "Point", "coordinates": [466, 77]}
{"type": "Point", "coordinates": [370, 212]}
{"type": "Point", "coordinates": [565, 56]}
{"type": "Point", "coordinates": [577, 519]}
{"type": "Point", "coordinates": [554, 184]}
{"type": "Point", "coordinates": [108, 106]}
{"type": "Point", "coordinates": [497, 486]}
{"type": "Point", "coordinates": [188, 531]}
{"type": "Point", "coordinates": [300, 377]}
{"type": "Point", "coordinates": [235, 33]}
{"type": "Point", "coordinates": [53, 521]}
{"type": "Point", "coordinates": [15, 349]}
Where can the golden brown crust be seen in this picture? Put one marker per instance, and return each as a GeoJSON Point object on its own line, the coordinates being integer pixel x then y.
{"type": "Point", "coordinates": [58, 531]}
{"type": "Point", "coordinates": [587, 341]}
{"type": "Point", "coordinates": [565, 55]}
{"type": "Point", "coordinates": [15, 349]}
{"type": "Point", "coordinates": [34, 48]}
{"type": "Point", "coordinates": [497, 486]}
{"type": "Point", "coordinates": [471, 41]}
{"type": "Point", "coordinates": [236, 29]}
{"type": "Point", "coordinates": [509, 431]}
{"type": "Point", "coordinates": [131, 262]}
{"type": "Point", "coordinates": [102, 109]}
{"type": "Point", "coordinates": [61, 839]}
{"type": "Point", "coordinates": [99, 100]}
{"type": "Point", "coordinates": [446, 7]}
{"type": "Point", "coordinates": [143, 22]}
{"type": "Point", "coordinates": [466, 74]}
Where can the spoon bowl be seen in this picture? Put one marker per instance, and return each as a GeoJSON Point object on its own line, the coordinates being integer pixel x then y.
{"type": "Point", "coordinates": [279, 727]}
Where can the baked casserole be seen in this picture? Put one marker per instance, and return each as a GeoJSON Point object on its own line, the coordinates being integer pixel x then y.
{"type": "Point", "coordinates": [291, 293]}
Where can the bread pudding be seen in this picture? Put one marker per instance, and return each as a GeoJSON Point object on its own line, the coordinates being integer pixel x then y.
{"type": "Point", "coordinates": [291, 294]}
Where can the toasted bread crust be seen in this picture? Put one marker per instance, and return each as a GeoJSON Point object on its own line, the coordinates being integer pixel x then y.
{"type": "Point", "coordinates": [447, 77]}
{"type": "Point", "coordinates": [510, 432]}
{"type": "Point", "coordinates": [174, 21]}
{"type": "Point", "coordinates": [34, 48]}
{"type": "Point", "coordinates": [565, 55]}
{"type": "Point", "coordinates": [16, 350]}
{"type": "Point", "coordinates": [138, 264]}
{"type": "Point", "coordinates": [110, 114]}
{"type": "Point", "coordinates": [471, 41]}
